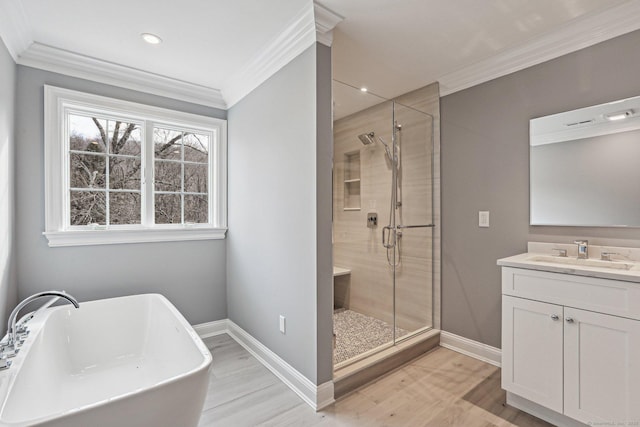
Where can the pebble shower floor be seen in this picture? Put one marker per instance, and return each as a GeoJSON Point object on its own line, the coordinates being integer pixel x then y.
{"type": "Point", "coordinates": [357, 333]}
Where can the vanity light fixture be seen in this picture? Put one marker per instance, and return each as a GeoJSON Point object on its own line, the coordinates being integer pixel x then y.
{"type": "Point", "coordinates": [620, 115]}
{"type": "Point", "coordinates": [151, 38]}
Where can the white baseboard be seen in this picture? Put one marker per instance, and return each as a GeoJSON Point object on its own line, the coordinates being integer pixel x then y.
{"type": "Point", "coordinates": [316, 396]}
{"type": "Point", "coordinates": [471, 348]}
{"type": "Point", "coordinates": [211, 329]}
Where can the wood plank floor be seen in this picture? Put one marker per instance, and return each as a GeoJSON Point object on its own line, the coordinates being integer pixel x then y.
{"type": "Point", "coordinates": [442, 388]}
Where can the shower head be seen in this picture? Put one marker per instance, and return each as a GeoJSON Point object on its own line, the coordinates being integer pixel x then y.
{"type": "Point", "coordinates": [367, 138]}
{"type": "Point", "coordinates": [387, 149]}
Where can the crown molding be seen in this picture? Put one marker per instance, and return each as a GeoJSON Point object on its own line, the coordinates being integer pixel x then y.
{"type": "Point", "coordinates": [326, 20]}
{"type": "Point", "coordinates": [85, 67]}
{"type": "Point", "coordinates": [14, 28]}
{"type": "Point", "coordinates": [291, 42]}
{"type": "Point", "coordinates": [309, 25]}
{"type": "Point", "coordinates": [576, 35]}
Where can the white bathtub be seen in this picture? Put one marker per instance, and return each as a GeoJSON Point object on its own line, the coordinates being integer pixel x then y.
{"type": "Point", "coordinates": [122, 362]}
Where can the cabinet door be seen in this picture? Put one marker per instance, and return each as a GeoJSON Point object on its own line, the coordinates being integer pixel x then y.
{"type": "Point", "coordinates": [602, 368]}
{"type": "Point", "coordinates": [532, 340]}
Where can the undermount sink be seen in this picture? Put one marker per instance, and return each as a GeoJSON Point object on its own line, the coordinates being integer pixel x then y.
{"type": "Point", "coordinates": [617, 265]}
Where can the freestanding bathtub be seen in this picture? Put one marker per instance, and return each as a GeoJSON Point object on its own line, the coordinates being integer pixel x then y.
{"type": "Point", "coordinates": [122, 362]}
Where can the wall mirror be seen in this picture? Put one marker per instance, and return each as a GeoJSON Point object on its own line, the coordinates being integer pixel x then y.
{"type": "Point", "coordinates": [585, 166]}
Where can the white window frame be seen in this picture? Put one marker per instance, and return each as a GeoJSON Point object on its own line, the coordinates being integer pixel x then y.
{"type": "Point", "coordinates": [58, 103]}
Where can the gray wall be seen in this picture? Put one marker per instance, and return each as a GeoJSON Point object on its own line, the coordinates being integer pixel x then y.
{"type": "Point", "coordinates": [485, 166]}
{"type": "Point", "coordinates": [275, 247]}
{"type": "Point", "coordinates": [190, 274]}
{"type": "Point", "coordinates": [8, 287]}
{"type": "Point", "coordinates": [324, 200]}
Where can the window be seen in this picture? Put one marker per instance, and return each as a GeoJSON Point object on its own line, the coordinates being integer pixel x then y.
{"type": "Point", "coordinates": [105, 170]}
{"type": "Point", "coordinates": [121, 172]}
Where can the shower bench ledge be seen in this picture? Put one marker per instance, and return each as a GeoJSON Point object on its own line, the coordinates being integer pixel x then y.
{"type": "Point", "coordinates": [339, 271]}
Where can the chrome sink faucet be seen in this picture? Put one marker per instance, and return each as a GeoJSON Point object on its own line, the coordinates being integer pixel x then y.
{"type": "Point", "coordinates": [10, 348]}
{"type": "Point", "coordinates": [583, 249]}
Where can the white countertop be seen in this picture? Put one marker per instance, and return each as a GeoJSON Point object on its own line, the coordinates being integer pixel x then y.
{"type": "Point", "coordinates": [527, 260]}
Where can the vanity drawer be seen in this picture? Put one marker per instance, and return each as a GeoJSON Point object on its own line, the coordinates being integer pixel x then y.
{"type": "Point", "coordinates": [602, 295]}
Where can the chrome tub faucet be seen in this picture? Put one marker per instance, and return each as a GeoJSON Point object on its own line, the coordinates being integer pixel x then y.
{"type": "Point", "coordinates": [9, 348]}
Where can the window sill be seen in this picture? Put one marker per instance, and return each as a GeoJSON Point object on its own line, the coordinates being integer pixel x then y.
{"type": "Point", "coordinates": [147, 235]}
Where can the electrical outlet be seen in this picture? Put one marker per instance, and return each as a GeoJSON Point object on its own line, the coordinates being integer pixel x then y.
{"type": "Point", "coordinates": [283, 324]}
{"type": "Point", "coordinates": [483, 219]}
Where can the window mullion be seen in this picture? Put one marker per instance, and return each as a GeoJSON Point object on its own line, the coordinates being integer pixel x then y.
{"type": "Point", "coordinates": [148, 168]}
{"type": "Point", "coordinates": [107, 214]}
{"type": "Point", "coordinates": [63, 117]}
{"type": "Point", "coordinates": [212, 178]}
{"type": "Point", "coordinates": [182, 178]}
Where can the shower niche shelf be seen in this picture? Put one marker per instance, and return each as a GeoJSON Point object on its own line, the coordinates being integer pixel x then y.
{"type": "Point", "coordinates": [352, 181]}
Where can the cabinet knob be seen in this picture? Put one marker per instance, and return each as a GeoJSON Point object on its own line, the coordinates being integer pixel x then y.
{"type": "Point", "coordinates": [569, 319]}
{"type": "Point", "coordinates": [555, 317]}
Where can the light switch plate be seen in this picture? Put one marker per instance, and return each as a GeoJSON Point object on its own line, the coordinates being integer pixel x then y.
{"type": "Point", "coordinates": [483, 219]}
{"type": "Point", "coordinates": [283, 321]}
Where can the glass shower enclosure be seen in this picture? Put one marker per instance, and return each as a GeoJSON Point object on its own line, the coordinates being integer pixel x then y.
{"type": "Point", "coordinates": [382, 223]}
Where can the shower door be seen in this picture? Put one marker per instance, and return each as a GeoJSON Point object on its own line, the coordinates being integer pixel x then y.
{"type": "Point", "coordinates": [382, 218]}
{"type": "Point", "coordinates": [413, 267]}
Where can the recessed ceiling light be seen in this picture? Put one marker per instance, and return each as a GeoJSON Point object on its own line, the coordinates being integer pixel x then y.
{"type": "Point", "coordinates": [151, 38]}
{"type": "Point", "coordinates": [363, 89]}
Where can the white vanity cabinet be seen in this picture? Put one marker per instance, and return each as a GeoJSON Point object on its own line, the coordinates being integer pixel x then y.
{"type": "Point", "coordinates": [571, 344]}
{"type": "Point", "coordinates": [532, 351]}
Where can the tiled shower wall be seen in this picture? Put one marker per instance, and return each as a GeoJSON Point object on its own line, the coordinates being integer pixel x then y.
{"type": "Point", "coordinates": [369, 287]}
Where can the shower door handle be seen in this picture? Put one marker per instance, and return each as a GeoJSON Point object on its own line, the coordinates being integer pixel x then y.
{"type": "Point", "coordinates": [387, 233]}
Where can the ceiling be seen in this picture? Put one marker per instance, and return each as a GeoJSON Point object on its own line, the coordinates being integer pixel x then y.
{"type": "Point", "coordinates": [204, 41]}
{"type": "Point", "coordinates": [390, 46]}
{"type": "Point", "coordinates": [419, 41]}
